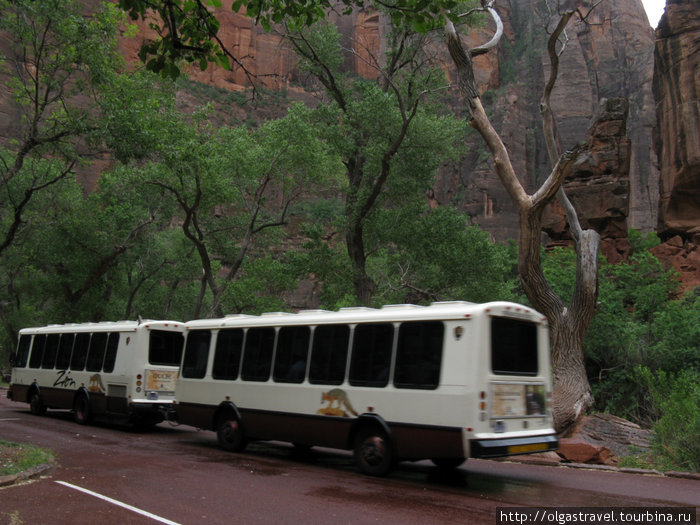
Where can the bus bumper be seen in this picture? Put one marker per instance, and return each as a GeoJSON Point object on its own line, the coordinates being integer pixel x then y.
{"type": "Point", "coordinates": [153, 411]}
{"type": "Point", "coordinates": [494, 448]}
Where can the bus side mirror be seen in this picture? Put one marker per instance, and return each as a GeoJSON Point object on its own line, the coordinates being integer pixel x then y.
{"type": "Point", "coordinates": [13, 357]}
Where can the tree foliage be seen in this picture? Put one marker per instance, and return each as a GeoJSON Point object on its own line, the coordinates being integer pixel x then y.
{"type": "Point", "coordinates": [641, 324]}
{"type": "Point", "coordinates": [389, 132]}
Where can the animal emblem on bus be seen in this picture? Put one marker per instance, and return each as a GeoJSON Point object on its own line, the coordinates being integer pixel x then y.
{"type": "Point", "coordinates": [338, 397]}
{"type": "Point", "coordinates": [95, 384]}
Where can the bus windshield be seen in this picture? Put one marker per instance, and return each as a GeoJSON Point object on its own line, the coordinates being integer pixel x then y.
{"type": "Point", "coordinates": [513, 347]}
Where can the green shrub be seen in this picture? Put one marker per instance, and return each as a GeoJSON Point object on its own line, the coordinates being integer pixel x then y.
{"type": "Point", "coordinates": [640, 323]}
{"type": "Point", "coordinates": [677, 399]}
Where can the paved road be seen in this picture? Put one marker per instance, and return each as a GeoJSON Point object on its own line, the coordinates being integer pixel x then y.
{"type": "Point", "coordinates": [178, 475]}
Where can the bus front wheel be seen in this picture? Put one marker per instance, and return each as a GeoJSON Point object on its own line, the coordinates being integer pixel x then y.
{"type": "Point", "coordinates": [36, 406]}
{"type": "Point", "coordinates": [81, 410]}
{"type": "Point", "coordinates": [230, 434]}
{"type": "Point", "coordinates": [374, 452]}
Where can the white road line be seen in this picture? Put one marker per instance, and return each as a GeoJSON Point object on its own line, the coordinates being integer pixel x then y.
{"type": "Point", "coordinates": [119, 503]}
{"type": "Point", "coordinates": [10, 419]}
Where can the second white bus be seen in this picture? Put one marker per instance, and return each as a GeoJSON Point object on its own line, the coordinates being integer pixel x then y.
{"type": "Point", "coordinates": [125, 370]}
{"type": "Point", "coordinates": [443, 382]}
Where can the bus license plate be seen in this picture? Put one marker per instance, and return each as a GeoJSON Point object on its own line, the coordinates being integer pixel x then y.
{"type": "Point", "coordinates": [533, 447]}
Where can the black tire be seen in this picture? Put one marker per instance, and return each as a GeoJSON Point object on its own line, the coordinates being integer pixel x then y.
{"type": "Point", "coordinates": [36, 405]}
{"type": "Point", "coordinates": [81, 410]}
{"type": "Point", "coordinates": [374, 452]}
{"type": "Point", "coordinates": [229, 432]}
{"type": "Point", "coordinates": [447, 463]}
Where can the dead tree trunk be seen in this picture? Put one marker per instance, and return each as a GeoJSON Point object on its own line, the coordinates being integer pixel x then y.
{"type": "Point", "coordinates": [568, 324]}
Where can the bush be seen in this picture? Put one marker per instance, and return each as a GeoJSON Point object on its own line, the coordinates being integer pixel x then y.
{"type": "Point", "coordinates": [677, 399]}
{"type": "Point", "coordinates": [640, 323]}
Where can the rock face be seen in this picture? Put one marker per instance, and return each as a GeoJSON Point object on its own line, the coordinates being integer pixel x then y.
{"type": "Point", "coordinates": [613, 55]}
{"type": "Point", "coordinates": [677, 95]}
{"type": "Point", "coordinates": [610, 56]}
{"type": "Point", "coordinates": [599, 185]}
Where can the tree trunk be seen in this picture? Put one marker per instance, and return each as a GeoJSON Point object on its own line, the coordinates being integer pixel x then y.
{"type": "Point", "coordinates": [363, 283]}
{"type": "Point", "coordinates": [568, 325]}
{"type": "Point", "coordinates": [571, 394]}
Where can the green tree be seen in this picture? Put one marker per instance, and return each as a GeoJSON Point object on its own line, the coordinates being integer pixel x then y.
{"type": "Point", "coordinates": [233, 189]}
{"type": "Point", "coordinates": [55, 59]}
{"type": "Point", "coordinates": [436, 255]}
{"type": "Point", "coordinates": [389, 132]}
{"type": "Point", "coordinates": [640, 323]}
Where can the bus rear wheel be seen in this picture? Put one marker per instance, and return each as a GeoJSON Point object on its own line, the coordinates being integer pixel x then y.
{"type": "Point", "coordinates": [36, 406]}
{"type": "Point", "coordinates": [374, 452]}
{"type": "Point", "coordinates": [230, 434]}
{"type": "Point", "coordinates": [81, 410]}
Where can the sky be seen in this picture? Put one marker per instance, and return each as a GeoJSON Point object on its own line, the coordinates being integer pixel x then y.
{"type": "Point", "coordinates": [654, 9]}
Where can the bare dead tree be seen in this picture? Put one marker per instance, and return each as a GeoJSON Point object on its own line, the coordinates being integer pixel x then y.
{"type": "Point", "coordinates": [568, 323]}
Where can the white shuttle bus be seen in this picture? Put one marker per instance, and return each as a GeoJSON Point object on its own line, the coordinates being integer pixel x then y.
{"type": "Point", "coordinates": [125, 370]}
{"type": "Point", "coordinates": [443, 382]}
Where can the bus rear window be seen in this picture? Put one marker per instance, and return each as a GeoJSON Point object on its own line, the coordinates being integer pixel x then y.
{"type": "Point", "coordinates": [513, 347]}
{"type": "Point", "coordinates": [165, 348]}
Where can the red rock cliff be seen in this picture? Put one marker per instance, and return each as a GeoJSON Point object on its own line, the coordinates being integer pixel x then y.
{"type": "Point", "coordinates": [677, 96]}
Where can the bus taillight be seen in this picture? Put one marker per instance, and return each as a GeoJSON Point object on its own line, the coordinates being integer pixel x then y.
{"type": "Point", "coordinates": [482, 405]}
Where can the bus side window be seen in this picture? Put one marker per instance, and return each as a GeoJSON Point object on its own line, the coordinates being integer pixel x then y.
{"type": "Point", "coordinates": [292, 353]}
{"type": "Point", "coordinates": [194, 364]}
{"type": "Point", "coordinates": [371, 355]}
{"type": "Point", "coordinates": [37, 354]}
{"type": "Point", "coordinates": [111, 354]}
{"type": "Point", "coordinates": [65, 347]}
{"type": "Point", "coordinates": [257, 356]}
{"type": "Point", "coordinates": [329, 354]}
{"type": "Point", "coordinates": [418, 355]}
{"type": "Point", "coordinates": [25, 342]}
{"type": "Point", "coordinates": [96, 353]}
{"type": "Point", "coordinates": [227, 356]}
{"type": "Point", "coordinates": [80, 350]}
{"type": "Point", "coordinates": [50, 351]}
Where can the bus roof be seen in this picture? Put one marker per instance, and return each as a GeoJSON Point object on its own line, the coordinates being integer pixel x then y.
{"type": "Point", "coordinates": [389, 313]}
{"type": "Point", "coordinates": [104, 326]}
